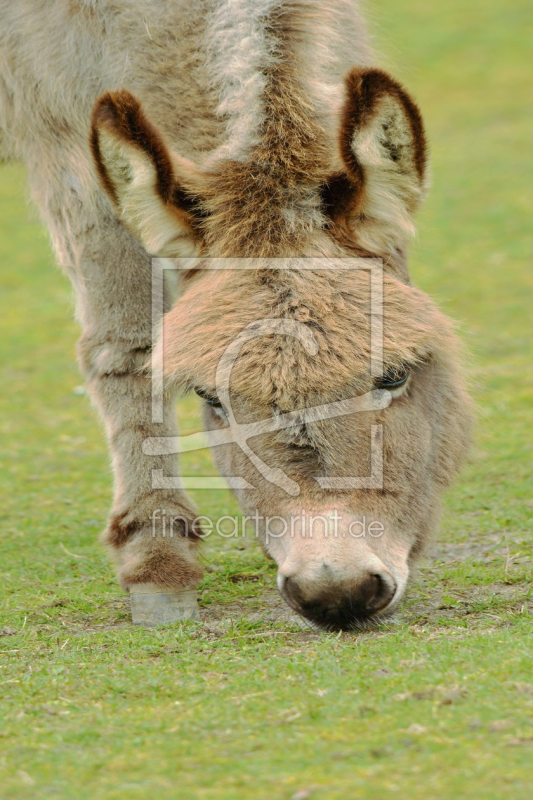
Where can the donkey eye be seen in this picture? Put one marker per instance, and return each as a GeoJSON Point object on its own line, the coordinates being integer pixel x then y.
{"type": "Point", "coordinates": [211, 399]}
{"type": "Point", "coordinates": [393, 378]}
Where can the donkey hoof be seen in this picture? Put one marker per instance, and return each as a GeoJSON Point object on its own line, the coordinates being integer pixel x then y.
{"type": "Point", "coordinates": [153, 605]}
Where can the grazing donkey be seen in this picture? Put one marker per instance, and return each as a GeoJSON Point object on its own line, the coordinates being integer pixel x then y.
{"type": "Point", "coordinates": [258, 133]}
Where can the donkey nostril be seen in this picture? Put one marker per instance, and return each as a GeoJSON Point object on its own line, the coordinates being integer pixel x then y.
{"type": "Point", "coordinates": [368, 589]}
{"type": "Point", "coordinates": [383, 589]}
{"type": "Point", "coordinates": [290, 589]}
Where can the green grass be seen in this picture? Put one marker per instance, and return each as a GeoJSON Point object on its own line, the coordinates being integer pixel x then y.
{"type": "Point", "coordinates": [438, 704]}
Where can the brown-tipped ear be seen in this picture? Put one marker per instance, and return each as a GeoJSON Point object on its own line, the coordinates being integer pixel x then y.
{"type": "Point", "coordinates": [383, 146]}
{"type": "Point", "coordinates": [138, 172]}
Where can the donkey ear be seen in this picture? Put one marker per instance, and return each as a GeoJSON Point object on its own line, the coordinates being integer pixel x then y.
{"type": "Point", "coordinates": [383, 147]}
{"type": "Point", "coordinates": [145, 183]}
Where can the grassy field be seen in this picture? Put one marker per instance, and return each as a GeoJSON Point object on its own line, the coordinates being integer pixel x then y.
{"type": "Point", "coordinates": [438, 703]}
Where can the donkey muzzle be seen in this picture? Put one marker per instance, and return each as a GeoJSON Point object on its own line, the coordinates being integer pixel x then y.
{"type": "Point", "coordinates": [339, 604]}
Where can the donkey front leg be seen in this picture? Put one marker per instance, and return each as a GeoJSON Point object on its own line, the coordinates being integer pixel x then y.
{"type": "Point", "coordinates": [156, 560]}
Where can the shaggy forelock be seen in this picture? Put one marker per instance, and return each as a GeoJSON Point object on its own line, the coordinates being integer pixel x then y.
{"type": "Point", "coordinates": [275, 370]}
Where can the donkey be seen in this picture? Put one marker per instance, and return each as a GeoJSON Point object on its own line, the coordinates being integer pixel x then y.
{"type": "Point", "coordinates": [257, 136]}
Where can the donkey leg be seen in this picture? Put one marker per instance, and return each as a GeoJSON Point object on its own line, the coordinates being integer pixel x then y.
{"type": "Point", "coordinates": [150, 532]}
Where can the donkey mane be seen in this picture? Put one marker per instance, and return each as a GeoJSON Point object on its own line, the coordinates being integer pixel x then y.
{"type": "Point", "coordinates": [304, 47]}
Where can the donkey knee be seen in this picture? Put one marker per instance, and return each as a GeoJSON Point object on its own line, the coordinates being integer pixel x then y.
{"type": "Point", "coordinates": [105, 359]}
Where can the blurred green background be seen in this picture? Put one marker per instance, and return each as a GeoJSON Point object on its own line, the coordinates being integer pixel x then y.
{"type": "Point", "coordinates": [438, 704]}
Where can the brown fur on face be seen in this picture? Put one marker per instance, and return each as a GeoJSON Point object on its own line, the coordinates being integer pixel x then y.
{"type": "Point", "coordinates": [425, 430]}
{"type": "Point", "coordinates": [333, 303]}
{"type": "Point", "coordinates": [276, 373]}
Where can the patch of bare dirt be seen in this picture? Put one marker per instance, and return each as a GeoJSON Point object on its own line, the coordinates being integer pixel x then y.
{"type": "Point", "coordinates": [273, 611]}
{"type": "Point", "coordinates": [485, 548]}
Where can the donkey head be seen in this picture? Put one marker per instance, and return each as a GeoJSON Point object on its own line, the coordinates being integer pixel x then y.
{"type": "Point", "coordinates": [331, 391]}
